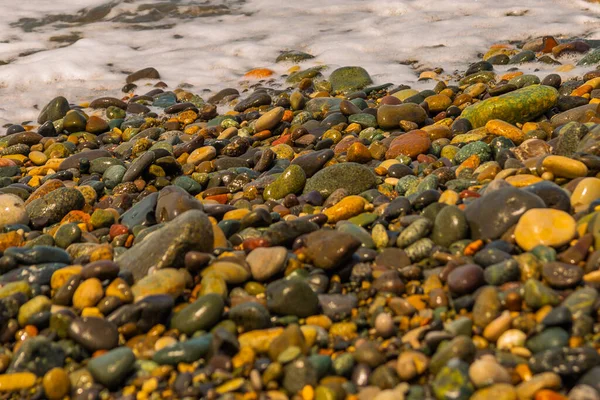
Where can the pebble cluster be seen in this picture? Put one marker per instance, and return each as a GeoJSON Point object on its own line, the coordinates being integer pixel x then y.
{"type": "Point", "coordinates": [331, 240]}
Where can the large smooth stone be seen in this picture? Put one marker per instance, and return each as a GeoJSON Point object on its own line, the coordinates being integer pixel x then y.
{"type": "Point", "coordinates": [292, 180]}
{"type": "Point", "coordinates": [521, 105]}
{"type": "Point", "coordinates": [330, 249]}
{"type": "Point", "coordinates": [269, 120]}
{"type": "Point", "coordinates": [586, 191]}
{"type": "Point", "coordinates": [167, 246]}
{"type": "Point", "coordinates": [38, 355]}
{"type": "Point", "coordinates": [168, 281]}
{"type": "Point", "coordinates": [292, 297]}
{"type": "Point", "coordinates": [202, 314]}
{"type": "Point", "coordinates": [12, 210]}
{"type": "Point", "coordinates": [491, 215]}
{"type": "Point", "coordinates": [450, 225]}
{"type": "Point", "coordinates": [347, 79]}
{"type": "Point", "coordinates": [184, 352]}
{"type": "Point", "coordinates": [55, 109]}
{"type": "Point", "coordinates": [546, 227]}
{"type": "Point", "coordinates": [410, 144]}
{"type": "Point", "coordinates": [112, 368]}
{"type": "Point", "coordinates": [173, 201]}
{"type": "Point", "coordinates": [353, 177]}
{"type": "Point", "coordinates": [266, 261]}
{"type": "Point", "coordinates": [390, 115]}
{"type": "Point", "coordinates": [54, 206]}
{"type": "Point", "coordinates": [94, 333]}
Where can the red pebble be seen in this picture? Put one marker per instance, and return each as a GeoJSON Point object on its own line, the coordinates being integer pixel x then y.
{"type": "Point", "coordinates": [468, 193]}
{"type": "Point", "coordinates": [253, 243]}
{"type": "Point", "coordinates": [116, 230]}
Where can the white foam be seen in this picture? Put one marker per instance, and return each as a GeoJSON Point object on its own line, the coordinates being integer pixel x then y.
{"type": "Point", "coordinates": [214, 52]}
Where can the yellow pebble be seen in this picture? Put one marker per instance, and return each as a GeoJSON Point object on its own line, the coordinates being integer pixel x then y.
{"type": "Point", "coordinates": [348, 207]}
{"type": "Point", "coordinates": [544, 226]}
{"type": "Point", "coordinates": [16, 381]}
{"type": "Point", "coordinates": [498, 127]}
{"type": "Point", "coordinates": [564, 167]}
{"type": "Point", "coordinates": [523, 180]}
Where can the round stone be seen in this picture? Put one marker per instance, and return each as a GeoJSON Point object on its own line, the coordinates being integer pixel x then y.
{"type": "Point", "coordinates": [266, 261]}
{"type": "Point", "coordinates": [12, 210]}
{"type": "Point", "coordinates": [56, 384]}
{"type": "Point", "coordinates": [586, 191]}
{"type": "Point", "coordinates": [546, 227]}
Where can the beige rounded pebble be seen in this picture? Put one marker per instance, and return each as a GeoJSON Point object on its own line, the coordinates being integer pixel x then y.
{"type": "Point", "coordinates": [545, 380]}
{"type": "Point", "coordinates": [544, 226]}
{"type": "Point", "coordinates": [487, 371]}
{"type": "Point", "coordinates": [497, 327]}
{"type": "Point", "coordinates": [12, 210]}
{"type": "Point", "coordinates": [586, 191]}
{"type": "Point", "coordinates": [510, 339]}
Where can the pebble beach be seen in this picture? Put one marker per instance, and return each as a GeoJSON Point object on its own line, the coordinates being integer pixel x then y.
{"type": "Point", "coordinates": [302, 227]}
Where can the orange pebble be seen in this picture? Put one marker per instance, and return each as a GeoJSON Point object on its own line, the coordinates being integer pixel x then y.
{"type": "Point", "coordinates": [98, 353]}
{"type": "Point", "coordinates": [473, 247]}
{"type": "Point", "coordinates": [581, 90]}
{"type": "Point", "coordinates": [258, 73]}
{"type": "Point", "coordinates": [509, 75]}
{"type": "Point", "coordinates": [219, 198]}
{"type": "Point", "coordinates": [523, 371]}
{"type": "Point", "coordinates": [288, 115]}
{"type": "Point", "coordinates": [546, 394]}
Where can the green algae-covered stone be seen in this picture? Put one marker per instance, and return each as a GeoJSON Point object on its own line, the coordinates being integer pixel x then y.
{"type": "Point", "coordinates": [591, 58]}
{"type": "Point", "coordinates": [353, 177]}
{"type": "Point", "coordinates": [346, 79]}
{"type": "Point", "coordinates": [481, 149]}
{"type": "Point", "coordinates": [292, 180]}
{"type": "Point", "coordinates": [452, 382]}
{"type": "Point", "coordinates": [293, 56]}
{"type": "Point", "coordinates": [522, 105]}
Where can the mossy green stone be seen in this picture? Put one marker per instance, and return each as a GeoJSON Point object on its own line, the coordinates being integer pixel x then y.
{"type": "Point", "coordinates": [537, 295]}
{"type": "Point", "coordinates": [67, 234]}
{"type": "Point", "coordinates": [54, 110]}
{"type": "Point", "coordinates": [353, 177]}
{"type": "Point", "coordinates": [347, 79]}
{"type": "Point", "coordinates": [365, 120]}
{"type": "Point", "coordinates": [184, 352]}
{"type": "Point", "coordinates": [292, 180]}
{"type": "Point", "coordinates": [11, 288]}
{"type": "Point", "coordinates": [553, 337]}
{"type": "Point", "coordinates": [113, 112]}
{"type": "Point", "coordinates": [521, 105]}
{"type": "Point", "coordinates": [202, 314]}
{"type": "Point", "coordinates": [452, 382]}
{"type": "Point", "coordinates": [112, 368]}
{"type": "Point", "coordinates": [481, 149]}
{"type": "Point", "coordinates": [297, 76]}
{"type": "Point", "coordinates": [524, 80]}
{"type": "Point", "coordinates": [33, 306]}
{"type": "Point", "coordinates": [74, 122]}
{"type": "Point", "coordinates": [478, 77]}
{"type": "Point", "coordinates": [591, 58]}
{"type": "Point", "coordinates": [293, 56]}
{"type": "Point", "coordinates": [450, 225]}
{"type": "Point", "coordinates": [461, 347]}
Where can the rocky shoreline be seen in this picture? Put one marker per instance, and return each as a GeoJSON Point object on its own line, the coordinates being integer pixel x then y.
{"type": "Point", "coordinates": [331, 240]}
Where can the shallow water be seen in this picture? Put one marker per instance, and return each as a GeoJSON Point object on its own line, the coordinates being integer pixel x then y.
{"type": "Point", "coordinates": [84, 49]}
